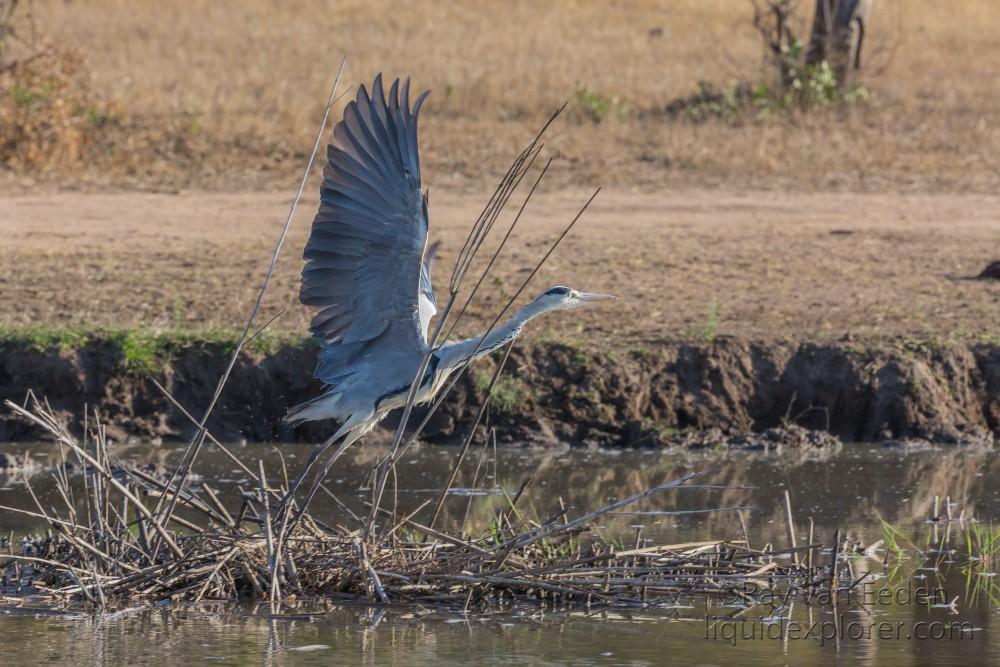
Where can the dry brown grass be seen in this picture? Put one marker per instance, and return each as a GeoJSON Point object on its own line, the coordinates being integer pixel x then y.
{"type": "Point", "coordinates": [221, 93]}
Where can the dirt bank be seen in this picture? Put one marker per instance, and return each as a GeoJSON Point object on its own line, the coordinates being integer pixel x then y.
{"type": "Point", "coordinates": [689, 264]}
{"type": "Point", "coordinates": [552, 393]}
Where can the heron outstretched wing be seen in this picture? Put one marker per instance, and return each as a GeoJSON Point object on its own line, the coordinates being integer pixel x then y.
{"type": "Point", "coordinates": [364, 256]}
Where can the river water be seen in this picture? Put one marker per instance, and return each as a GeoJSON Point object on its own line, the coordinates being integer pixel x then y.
{"type": "Point", "coordinates": [852, 489]}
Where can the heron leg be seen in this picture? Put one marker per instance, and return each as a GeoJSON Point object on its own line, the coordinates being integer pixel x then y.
{"type": "Point", "coordinates": [346, 427]}
{"type": "Point", "coordinates": [286, 502]}
{"type": "Point", "coordinates": [349, 440]}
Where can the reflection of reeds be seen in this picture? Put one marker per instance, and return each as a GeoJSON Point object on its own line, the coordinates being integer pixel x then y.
{"type": "Point", "coordinates": [106, 547]}
{"type": "Point", "coordinates": [983, 544]}
{"type": "Point", "coordinates": [972, 548]}
{"type": "Point", "coordinates": [894, 540]}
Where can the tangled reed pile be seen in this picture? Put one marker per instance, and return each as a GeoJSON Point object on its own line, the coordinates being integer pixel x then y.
{"type": "Point", "coordinates": [114, 544]}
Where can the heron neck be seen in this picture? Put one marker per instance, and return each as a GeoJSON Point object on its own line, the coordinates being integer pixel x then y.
{"type": "Point", "coordinates": [453, 354]}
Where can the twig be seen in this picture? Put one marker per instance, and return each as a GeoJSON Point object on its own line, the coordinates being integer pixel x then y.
{"type": "Point", "coordinates": [472, 433]}
{"type": "Point", "coordinates": [191, 453]}
{"type": "Point", "coordinates": [790, 525]}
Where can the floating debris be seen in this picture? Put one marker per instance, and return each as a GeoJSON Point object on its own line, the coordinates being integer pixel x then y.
{"type": "Point", "coordinates": [18, 464]}
{"type": "Point", "coordinates": [791, 436]}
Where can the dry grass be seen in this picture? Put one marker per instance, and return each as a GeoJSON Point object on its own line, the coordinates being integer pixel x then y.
{"type": "Point", "coordinates": [225, 93]}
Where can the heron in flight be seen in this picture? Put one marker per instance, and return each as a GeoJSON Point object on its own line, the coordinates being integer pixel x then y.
{"type": "Point", "coordinates": [368, 274]}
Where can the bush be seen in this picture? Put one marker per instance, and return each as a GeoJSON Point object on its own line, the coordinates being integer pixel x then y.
{"type": "Point", "coordinates": [47, 108]}
{"type": "Point", "coordinates": [597, 107]}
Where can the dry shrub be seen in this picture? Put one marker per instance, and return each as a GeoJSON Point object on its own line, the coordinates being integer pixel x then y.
{"type": "Point", "coordinates": [48, 111]}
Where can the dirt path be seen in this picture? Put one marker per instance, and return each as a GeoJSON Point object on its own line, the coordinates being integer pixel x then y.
{"type": "Point", "coordinates": [690, 264]}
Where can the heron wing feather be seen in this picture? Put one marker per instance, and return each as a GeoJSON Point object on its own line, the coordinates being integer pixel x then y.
{"type": "Point", "coordinates": [364, 270]}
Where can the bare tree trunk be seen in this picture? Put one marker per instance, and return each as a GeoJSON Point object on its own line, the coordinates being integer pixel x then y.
{"type": "Point", "coordinates": [838, 33]}
{"type": "Point", "coordinates": [773, 21]}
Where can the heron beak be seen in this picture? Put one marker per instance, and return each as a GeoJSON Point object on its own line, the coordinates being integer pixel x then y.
{"type": "Point", "coordinates": [590, 296]}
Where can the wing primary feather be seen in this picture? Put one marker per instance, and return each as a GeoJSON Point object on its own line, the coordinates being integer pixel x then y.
{"type": "Point", "coordinates": [365, 270]}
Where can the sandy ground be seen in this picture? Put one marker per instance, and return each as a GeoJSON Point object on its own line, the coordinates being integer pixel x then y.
{"type": "Point", "coordinates": [689, 264]}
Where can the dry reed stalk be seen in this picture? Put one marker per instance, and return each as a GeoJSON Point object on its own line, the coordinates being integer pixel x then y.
{"type": "Point", "coordinates": [472, 433]}
{"type": "Point", "coordinates": [790, 525]}
{"type": "Point", "coordinates": [194, 447]}
{"type": "Point", "coordinates": [48, 421]}
{"type": "Point", "coordinates": [477, 235]}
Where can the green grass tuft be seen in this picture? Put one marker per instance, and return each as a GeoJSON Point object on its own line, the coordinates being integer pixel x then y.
{"type": "Point", "coordinates": [144, 349]}
{"type": "Point", "coordinates": [509, 393]}
{"type": "Point", "coordinates": [708, 332]}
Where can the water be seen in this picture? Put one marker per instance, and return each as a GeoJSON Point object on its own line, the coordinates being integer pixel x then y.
{"type": "Point", "coordinates": [849, 489]}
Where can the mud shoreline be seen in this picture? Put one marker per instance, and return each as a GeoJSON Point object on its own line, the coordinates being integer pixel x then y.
{"type": "Point", "coordinates": [682, 393]}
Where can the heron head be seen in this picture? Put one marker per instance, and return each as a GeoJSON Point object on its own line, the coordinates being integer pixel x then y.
{"type": "Point", "coordinates": [567, 298]}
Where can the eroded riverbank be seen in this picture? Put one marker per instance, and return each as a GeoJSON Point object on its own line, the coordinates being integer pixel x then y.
{"type": "Point", "coordinates": [551, 393]}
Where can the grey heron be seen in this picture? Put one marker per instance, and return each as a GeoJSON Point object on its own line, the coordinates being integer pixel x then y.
{"type": "Point", "coordinates": [368, 274]}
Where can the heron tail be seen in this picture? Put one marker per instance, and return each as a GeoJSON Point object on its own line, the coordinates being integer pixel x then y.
{"type": "Point", "coordinates": [322, 407]}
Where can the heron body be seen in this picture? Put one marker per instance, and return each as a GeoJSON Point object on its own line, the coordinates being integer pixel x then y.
{"type": "Point", "coordinates": [368, 273]}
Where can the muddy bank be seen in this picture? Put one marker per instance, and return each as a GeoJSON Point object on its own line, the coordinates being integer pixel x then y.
{"type": "Point", "coordinates": [552, 393]}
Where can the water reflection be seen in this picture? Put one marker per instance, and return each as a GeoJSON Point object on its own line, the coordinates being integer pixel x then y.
{"type": "Point", "coordinates": [356, 636]}
{"type": "Point", "coordinates": [848, 490]}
